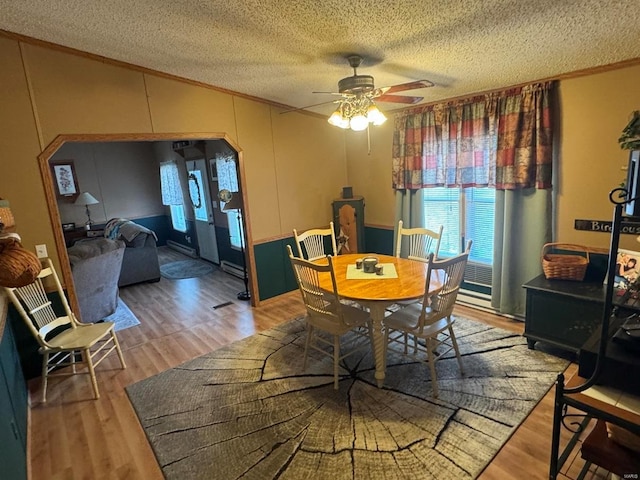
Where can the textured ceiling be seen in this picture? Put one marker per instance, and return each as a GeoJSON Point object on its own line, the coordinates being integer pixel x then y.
{"type": "Point", "coordinates": [283, 50]}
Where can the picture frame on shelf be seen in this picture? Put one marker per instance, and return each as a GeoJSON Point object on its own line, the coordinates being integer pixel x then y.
{"type": "Point", "coordinates": [626, 284]}
{"type": "Point", "coordinates": [627, 268]}
{"type": "Point", "coordinates": [64, 177]}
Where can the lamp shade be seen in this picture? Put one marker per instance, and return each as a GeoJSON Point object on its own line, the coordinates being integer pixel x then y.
{"type": "Point", "coordinates": [234, 204]}
{"type": "Point", "coordinates": [85, 198]}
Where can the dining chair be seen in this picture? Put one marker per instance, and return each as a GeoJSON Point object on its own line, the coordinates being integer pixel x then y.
{"type": "Point", "coordinates": [428, 325]}
{"type": "Point", "coordinates": [311, 244]}
{"type": "Point", "coordinates": [63, 340]}
{"type": "Point", "coordinates": [420, 242]}
{"type": "Point", "coordinates": [331, 318]}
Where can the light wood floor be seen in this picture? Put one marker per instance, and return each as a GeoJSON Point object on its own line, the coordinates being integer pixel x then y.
{"type": "Point", "coordinates": [73, 436]}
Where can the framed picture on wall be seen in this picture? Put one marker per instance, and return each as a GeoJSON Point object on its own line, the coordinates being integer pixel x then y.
{"type": "Point", "coordinates": [64, 177]}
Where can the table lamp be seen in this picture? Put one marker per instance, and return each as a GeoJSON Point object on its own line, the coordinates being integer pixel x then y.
{"type": "Point", "coordinates": [86, 199]}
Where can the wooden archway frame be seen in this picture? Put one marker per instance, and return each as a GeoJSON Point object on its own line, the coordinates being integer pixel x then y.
{"type": "Point", "coordinates": [54, 213]}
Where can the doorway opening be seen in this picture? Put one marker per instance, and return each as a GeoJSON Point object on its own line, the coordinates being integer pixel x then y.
{"type": "Point", "coordinates": [100, 174]}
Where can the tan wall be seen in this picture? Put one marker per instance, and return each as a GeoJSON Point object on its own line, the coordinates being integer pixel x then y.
{"type": "Point", "coordinates": [370, 172]}
{"type": "Point", "coordinates": [123, 176]}
{"type": "Point", "coordinates": [293, 164]}
{"type": "Point", "coordinates": [593, 111]}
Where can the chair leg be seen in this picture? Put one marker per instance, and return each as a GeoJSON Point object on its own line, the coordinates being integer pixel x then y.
{"type": "Point", "coordinates": [336, 360]}
{"type": "Point", "coordinates": [306, 346]}
{"type": "Point", "coordinates": [432, 366]}
{"type": "Point", "coordinates": [118, 351]}
{"type": "Point", "coordinates": [94, 382]}
{"type": "Point", "coordinates": [72, 356]}
{"type": "Point", "coordinates": [45, 375]}
{"type": "Point", "coordinates": [454, 342]}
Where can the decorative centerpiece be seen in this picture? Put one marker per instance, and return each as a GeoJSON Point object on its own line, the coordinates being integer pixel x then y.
{"type": "Point", "coordinates": [369, 264]}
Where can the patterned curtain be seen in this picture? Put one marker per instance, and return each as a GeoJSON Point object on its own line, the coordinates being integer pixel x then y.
{"type": "Point", "coordinates": [524, 153]}
{"type": "Point", "coordinates": [501, 140]}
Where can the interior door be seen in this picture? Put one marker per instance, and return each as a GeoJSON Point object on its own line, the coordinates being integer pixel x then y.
{"type": "Point", "coordinates": [202, 210]}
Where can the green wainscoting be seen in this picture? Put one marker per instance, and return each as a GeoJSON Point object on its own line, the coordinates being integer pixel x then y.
{"type": "Point", "coordinates": [13, 409]}
{"type": "Point", "coordinates": [273, 268]}
{"type": "Point", "coordinates": [378, 240]}
{"type": "Point", "coordinates": [160, 224]}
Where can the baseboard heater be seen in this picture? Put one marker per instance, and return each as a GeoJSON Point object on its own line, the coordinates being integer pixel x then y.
{"type": "Point", "coordinates": [475, 299]}
{"type": "Point", "coordinates": [482, 301]}
{"type": "Point", "coordinates": [178, 247]}
{"type": "Point", "coordinates": [232, 268]}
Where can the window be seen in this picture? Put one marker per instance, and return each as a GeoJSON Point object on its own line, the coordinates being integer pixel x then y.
{"type": "Point", "coordinates": [178, 221]}
{"type": "Point", "coordinates": [465, 214]}
{"type": "Point", "coordinates": [234, 217]}
{"type": "Point", "coordinates": [172, 194]}
{"type": "Point", "coordinates": [170, 184]}
{"type": "Point", "coordinates": [228, 179]}
{"type": "Point", "coordinates": [197, 196]}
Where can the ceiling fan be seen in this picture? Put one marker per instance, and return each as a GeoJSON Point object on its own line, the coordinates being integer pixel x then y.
{"type": "Point", "coordinates": [364, 85]}
{"type": "Point", "coordinates": [358, 94]}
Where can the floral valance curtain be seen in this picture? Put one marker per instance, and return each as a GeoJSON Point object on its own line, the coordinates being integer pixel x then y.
{"type": "Point", "coordinates": [501, 140]}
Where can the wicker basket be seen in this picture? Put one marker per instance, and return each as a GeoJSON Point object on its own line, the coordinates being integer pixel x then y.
{"type": "Point", "coordinates": [18, 266]}
{"type": "Point", "coordinates": [558, 266]}
{"type": "Point", "coordinates": [6, 217]}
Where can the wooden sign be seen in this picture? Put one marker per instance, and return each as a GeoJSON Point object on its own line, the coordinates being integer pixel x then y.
{"type": "Point", "coordinates": [632, 228]}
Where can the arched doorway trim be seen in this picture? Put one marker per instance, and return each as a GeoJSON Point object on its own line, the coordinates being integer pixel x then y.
{"type": "Point", "coordinates": [54, 214]}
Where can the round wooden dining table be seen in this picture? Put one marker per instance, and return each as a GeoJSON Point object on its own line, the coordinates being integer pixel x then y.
{"type": "Point", "coordinates": [378, 292]}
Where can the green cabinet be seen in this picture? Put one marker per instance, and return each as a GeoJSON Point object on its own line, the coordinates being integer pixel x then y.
{"type": "Point", "coordinates": [13, 410]}
{"type": "Point", "coordinates": [348, 221]}
{"type": "Point", "coordinates": [563, 313]}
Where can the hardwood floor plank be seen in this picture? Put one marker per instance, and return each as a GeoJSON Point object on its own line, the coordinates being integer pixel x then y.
{"type": "Point", "coordinates": [76, 437]}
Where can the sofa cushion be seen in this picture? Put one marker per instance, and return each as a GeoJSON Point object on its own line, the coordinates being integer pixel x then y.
{"type": "Point", "coordinates": [125, 229]}
{"type": "Point", "coordinates": [92, 248]}
{"type": "Point", "coordinates": [138, 241]}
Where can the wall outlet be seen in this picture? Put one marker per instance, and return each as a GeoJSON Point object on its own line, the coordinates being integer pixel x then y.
{"type": "Point", "coordinates": [41, 251]}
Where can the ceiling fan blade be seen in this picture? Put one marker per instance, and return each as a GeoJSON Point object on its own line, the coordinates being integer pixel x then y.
{"type": "Point", "coordinates": [308, 106]}
{"type": "Point", "coordinates": [401, 87]}
{"type": "Point", "coordinates": [398, 99]}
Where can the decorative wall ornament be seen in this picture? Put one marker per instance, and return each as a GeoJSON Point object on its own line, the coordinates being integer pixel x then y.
{"type": "Point", "coordinates": [64, 176]}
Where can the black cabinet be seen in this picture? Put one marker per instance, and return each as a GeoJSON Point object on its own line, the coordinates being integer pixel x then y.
{"type": "Point", "coordinates": [13, 409]}
{"type": "Point", "coordinates": [348, 221]}
{"type": "Point", "coordinates": [601, 363]}
{"type": "Point", "coordinates": [564, 313]}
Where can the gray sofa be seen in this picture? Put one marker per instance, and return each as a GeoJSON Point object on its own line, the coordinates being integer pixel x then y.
{"type": "Point", "coordinates": [95, 266]}
{"type": "Point", "coordinates": [140, 262]}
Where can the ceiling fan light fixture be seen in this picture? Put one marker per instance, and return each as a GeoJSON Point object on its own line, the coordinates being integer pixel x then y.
{"type": "Point", "coordinates": [375, 116]}
{"type": "Point", "coordinates": [358, 122]}
{"type": "Point", "coordinates": [338, 120]}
